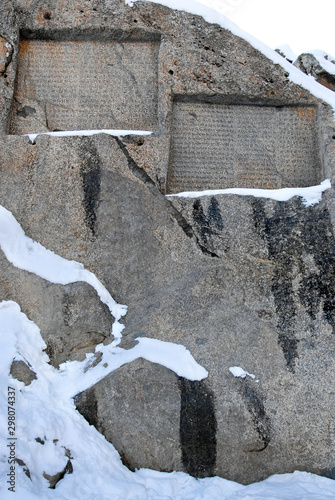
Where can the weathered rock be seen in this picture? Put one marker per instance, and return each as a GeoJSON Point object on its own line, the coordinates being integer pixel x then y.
{"type": "Point", "coordinates": [6, 51]}
{"type": "Point", "coordinates": [21, 371]}
{"type": "Point", "coordinates": [310, 65]}
{"type": "Point", "coordinates": [239, 281]}
{"type": "Point", "coordinates": [151, 395]}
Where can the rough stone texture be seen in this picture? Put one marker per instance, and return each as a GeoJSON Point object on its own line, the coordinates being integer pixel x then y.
{"type": "Point", "coordinates": [21, 371]}
{"type": "Point", "coordinates": [6, 51]}
{"type": "Point", "coordinates": [238, 281]}
{"type": "Point", "coordinates": [309, 64]}
{"type": "Point", "coordinates": [72, 318]}
{"type": "Point", "coordinates": [242, 146]}
{"type": "Point", "coordinates": [77, 85]}
{"type": "Point", "coordinates": [151, 395]}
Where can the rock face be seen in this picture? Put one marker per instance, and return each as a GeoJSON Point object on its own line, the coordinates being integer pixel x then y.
{"type": "Point", "coordinates": [240, 281]}
{"type": "Point", "coordinates": [21, 371]}
{"type": "Point", "coordinates": [6, 52]}
{"type": "Point", "coordinates": [311, 65]}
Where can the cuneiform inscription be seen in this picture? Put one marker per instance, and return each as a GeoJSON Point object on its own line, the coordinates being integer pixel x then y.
{"type": "Point", "coordinates": [85, 85]}
{"type": "Point", "coordinates": [230, 145]}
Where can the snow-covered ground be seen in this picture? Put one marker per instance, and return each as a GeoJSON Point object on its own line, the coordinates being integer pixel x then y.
{"type": "Point", "coordinates": [49, 431]}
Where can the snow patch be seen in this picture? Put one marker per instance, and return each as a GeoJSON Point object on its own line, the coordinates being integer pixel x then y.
{"type": "Point", "coordinates": [49, 428]}
{"type": "Point", "coordinates": [310, 195]}
{"type": "Point", "coordinates": [86, 133]}
{"type": "Point", "coordinates": [173, 356]}
{"type": "Point", "coordinates": [287, 52]}
{"type": "Point", "coordinates": [326, 61]}
{"type": "Point", "coordinates": [238, 372]}
{"type": "Point", "coordinates": [29, 255]}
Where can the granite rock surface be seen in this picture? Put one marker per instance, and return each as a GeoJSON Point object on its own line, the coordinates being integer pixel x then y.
{"type": "Point", "coordinates": [240, 281]}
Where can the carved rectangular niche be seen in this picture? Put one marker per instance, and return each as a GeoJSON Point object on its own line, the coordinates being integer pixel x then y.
{"type": "Point", "coordinates": [216, 146]}
{"type": "Point", "coordinates": [78, 85]}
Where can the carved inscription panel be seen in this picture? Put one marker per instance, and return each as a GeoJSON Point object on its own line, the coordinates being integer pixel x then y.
{"type": "Point", "coordinates": [73, 85]}
{"type": "Point", "coordinates": [216, 146]}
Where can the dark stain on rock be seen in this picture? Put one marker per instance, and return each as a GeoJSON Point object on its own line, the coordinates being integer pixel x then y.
{"type": "Point", "coordinates": [197, 428]}
{"type": "Point", "coordinates": [259, 216]}
{"type": "Point", "coordinates": [26, 111]}
{"type": "Point", "coordinates": [214, 214]}
{"type": "Point", "coordinates": [309, 293]}
{"type": "Point", "coordinates": [277, 231]}
{"type": "Point", "coordinates": [254, 402]}
{"type": "Point", "coordinates": [301, 243]}
{"type": "Point", "coordinates": [207, 225]}
{"type": "Point", "coordinates": [90, 172]}
{"type": "Point", "coordinates": [188, 229]}
{"type": "Point", "coordinates": [185, 226]}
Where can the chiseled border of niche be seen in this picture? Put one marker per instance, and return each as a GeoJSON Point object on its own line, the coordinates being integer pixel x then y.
{"type": "Point", "coordinates": [219, 142]}
{"type": "Point", "coordinates": [62, 83]}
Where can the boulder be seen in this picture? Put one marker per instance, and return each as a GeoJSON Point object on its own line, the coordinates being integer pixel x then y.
{"type": "Point", "coordinates": [315, 66]}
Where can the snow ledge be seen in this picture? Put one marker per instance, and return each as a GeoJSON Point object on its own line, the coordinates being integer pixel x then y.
{"type": "Point", "coordinates": [310, 195]}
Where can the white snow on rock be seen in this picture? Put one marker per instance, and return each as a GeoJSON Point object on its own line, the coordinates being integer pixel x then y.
{"type": "Point", "coordinates": [326, 61]}
{"type": "Point", "coordinates": [45, 411]}
{"type": "Point", "coordinates": [310, 195]}
{"type": "Point", "coordinates": [49, 429]}
{"type": "Point", "coordinates": [238, 372]}
{"type": "Point", "coordinates": [45, 408]}
{"type": "Point", "coordinates": [29, 255]}
{"type": "Point", "coordinates": [78, 376]}
{"type": "Point", "coordinates": [288, 53]}
{"type": "Point", "coordinates": [86, 133]}
{"type": "Point", "coordinates": [214, 17]}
